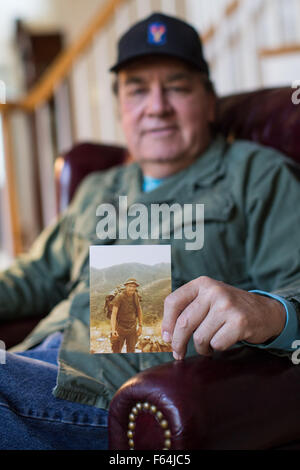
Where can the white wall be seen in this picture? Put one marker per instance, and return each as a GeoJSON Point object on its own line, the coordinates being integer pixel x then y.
{"type": "Point", "coordinates": [71, 16]}
{"type": "Point", "coordinates": [234, 69]}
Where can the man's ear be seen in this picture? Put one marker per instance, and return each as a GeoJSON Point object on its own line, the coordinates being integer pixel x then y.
{"type": "Point", "coordinates": [118, 111]}
{"type": "Point", "coordinates": [115, 90]}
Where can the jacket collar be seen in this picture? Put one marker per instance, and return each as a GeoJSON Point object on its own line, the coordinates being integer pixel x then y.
{"type": "Point", "coordinates": [206, 169]}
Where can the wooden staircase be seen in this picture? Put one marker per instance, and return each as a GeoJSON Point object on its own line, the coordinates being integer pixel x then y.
{"type": "Point", "coordinates": [73, 100]}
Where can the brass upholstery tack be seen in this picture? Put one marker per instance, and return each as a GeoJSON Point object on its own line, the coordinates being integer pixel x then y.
{"type": "Point", "coordinates": [146, 406]}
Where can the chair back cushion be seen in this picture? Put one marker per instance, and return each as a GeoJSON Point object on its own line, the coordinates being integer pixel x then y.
{"type": "Point", "coordinates": [79, 161]}
{"type": "Point", "coordinates": [266, 116]}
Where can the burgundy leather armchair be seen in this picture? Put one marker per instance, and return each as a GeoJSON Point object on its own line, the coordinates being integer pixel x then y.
{"type": "Point", "coordinates": [240, 399]}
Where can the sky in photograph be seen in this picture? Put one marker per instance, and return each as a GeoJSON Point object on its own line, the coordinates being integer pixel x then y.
{"type": "Point", "coordinates": [105, 256]}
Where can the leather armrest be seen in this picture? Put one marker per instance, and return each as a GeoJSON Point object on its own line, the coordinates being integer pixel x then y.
{"type": "Point", "coordinates": [240, 399]}
{"type": "Point", "coordinates": [14, 331]}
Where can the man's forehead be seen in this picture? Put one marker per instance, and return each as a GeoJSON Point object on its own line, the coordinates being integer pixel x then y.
{"type": "Point", "coordinates": [163, 66]}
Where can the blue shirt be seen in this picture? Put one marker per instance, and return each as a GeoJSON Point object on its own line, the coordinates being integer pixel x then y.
{"type": "Point", "coordinates": [150, 183]}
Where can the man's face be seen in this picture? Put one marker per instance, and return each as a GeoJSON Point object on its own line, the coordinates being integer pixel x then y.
{"type": "Point", "coordinates": [165, 113]}
{"type": "Point", "coordinates": [130, 289]}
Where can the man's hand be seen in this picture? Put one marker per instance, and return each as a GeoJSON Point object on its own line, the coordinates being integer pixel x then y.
{"type": "Point", "coordinates": [218, 316]}
{"type": "Point", "coordinates": [114, 334]}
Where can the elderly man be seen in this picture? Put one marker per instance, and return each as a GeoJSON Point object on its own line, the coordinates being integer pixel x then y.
{"type": "Point", "coordinates": [250, 196]}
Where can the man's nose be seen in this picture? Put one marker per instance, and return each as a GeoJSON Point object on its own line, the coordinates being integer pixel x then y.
{"type": "Point", "coordinates": [158, 103]}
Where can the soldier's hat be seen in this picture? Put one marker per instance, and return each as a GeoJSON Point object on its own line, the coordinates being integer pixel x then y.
{"type": "Point", "coordinates": [131, 280]}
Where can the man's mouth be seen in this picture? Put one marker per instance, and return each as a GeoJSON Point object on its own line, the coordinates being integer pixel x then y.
{"type": "Point", "coordinates": [160, 131]}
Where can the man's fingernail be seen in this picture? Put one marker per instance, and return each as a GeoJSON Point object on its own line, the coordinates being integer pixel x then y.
{"type": "Point", "coordinates": [166, 337]}
{"type": "Point", "coordinates": [176, 356]}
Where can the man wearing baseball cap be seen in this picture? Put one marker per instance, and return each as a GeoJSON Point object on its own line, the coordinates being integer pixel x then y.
{"type": "Point", "coordinates": [242, 286]}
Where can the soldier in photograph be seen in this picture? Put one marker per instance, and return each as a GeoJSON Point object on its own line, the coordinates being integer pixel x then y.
{"type": "Point", "coordinates": [126, 313]}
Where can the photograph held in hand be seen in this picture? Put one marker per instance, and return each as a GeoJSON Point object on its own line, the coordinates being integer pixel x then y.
{"type": "Point", "coordinates": [126, 312]}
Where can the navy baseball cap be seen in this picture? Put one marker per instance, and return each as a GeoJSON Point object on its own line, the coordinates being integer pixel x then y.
{"type": "Point", "coordinates": [164, 35]}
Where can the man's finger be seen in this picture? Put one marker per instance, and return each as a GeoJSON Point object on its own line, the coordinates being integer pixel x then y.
{"type": "Point", "coordinates": [207, 329]}
{"type": "Point", "coordinates": [186, 324]}
{"type": "Point", "coordinates": [175, 303]}
{"type": "Point", "coordinates": [225, 337]}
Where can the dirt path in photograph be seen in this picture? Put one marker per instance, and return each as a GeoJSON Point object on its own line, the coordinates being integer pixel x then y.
{"type": "Point", "coordinates": [100, 342]}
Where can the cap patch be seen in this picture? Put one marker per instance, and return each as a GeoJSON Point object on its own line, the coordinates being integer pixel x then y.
{"type": "Point", "coordinates": [157, 34]}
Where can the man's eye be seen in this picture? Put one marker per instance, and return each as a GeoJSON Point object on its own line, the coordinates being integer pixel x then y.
{"type": "Point", "coordinates": [137, 91]}
{"type": "Point", "coordinates": [179, 89]}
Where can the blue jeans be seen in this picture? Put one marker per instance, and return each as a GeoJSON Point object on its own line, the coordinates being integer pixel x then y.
{"type": "Point", "coordinates": [31, 418]}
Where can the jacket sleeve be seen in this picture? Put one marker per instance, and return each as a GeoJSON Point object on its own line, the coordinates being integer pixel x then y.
{"type": "Point", "coordinates": [273, 226]}
{"type": "Point", "coordinates": [38, 280]}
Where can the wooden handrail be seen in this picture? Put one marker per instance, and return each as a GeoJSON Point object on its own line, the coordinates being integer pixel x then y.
{"type": "Point", "coordinates": [287, 49]}
{"type": "Point", "coordinates": [232, 7]}
{"type": "Point", "coordinates": [208, 35]}
{"type": "Point", "coordinates": [9, 106]}
{"type": "Point", "coordinates": [39, 94]}
{"type": "Point", "coordinates": [12, 186]}
{"type": "Point", "coordinates": [61, 67]}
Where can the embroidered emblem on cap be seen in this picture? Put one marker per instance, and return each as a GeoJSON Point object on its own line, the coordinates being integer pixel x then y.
{"type": "Point", "coordinates": [157, 34]}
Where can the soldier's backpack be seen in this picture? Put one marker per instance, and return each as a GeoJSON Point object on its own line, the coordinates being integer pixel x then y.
{"type": "Point", "coordinates": [108, 305]}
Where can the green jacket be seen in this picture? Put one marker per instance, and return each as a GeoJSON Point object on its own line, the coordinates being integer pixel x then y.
{"type": "Point", "coordinates": [252, 221]}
